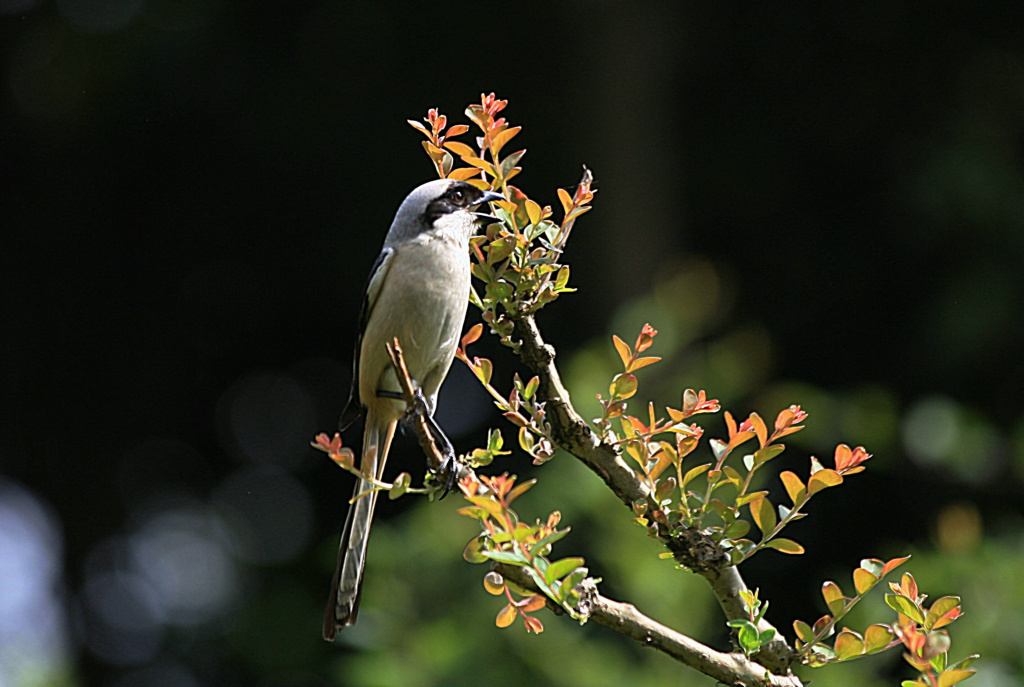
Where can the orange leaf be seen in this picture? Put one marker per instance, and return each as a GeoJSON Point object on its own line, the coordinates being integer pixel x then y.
{"type": "Point", "coordinates": [473, 334]}
{"type": "Point", "coordinates": [464, 173]}
{"type": "Point", "coordinates": [760, 429]}
{"type": "Point", "coordinates": [642, 362]}
{"type": "Point", "coordinates": [624, 351]}
{"type": "Point", "coordinates": [566, 200]}
{"type": "Point", "coordinates": [460, 149]}
{"type": "Point", "coordinates": [506, 616]}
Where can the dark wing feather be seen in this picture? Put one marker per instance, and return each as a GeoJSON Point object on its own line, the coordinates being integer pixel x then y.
{"type": "Point", "coordinates": [354, 407]}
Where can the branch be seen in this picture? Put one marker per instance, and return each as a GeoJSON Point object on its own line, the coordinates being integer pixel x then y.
{"type": "Point", "coordinates": [571, 433]}
{"type": "Point", "coordinates": [624, 618]}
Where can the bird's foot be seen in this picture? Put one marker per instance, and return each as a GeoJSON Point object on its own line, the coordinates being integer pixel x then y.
{"type": "Point", "coordinates": [448, 470]}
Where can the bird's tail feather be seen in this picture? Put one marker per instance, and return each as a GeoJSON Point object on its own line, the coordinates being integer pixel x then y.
{"type": "Point", "coordinates": [347, 583]}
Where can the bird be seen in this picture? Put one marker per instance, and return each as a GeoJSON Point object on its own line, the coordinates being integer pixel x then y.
{"type": "Point", "coordinates": [417, 292]}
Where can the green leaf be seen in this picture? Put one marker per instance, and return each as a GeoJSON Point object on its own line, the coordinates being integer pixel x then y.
{"type": "Point", "coordinates": [863, 580]}
{"type": "Point", "coordinates": [737, 529]}
{"type": "Point", "coordinates": [512, 557]}
{"type": "Point", "coordinates": [550, 539]}
{"type": "Point", "coordinates": [902, 604]}
{"type": "Point", "coordinates": [400, 486]}
{"type": "Point", "coordinates": [785, 546]}
{"type": "Point", "coordinates": [569, 583]}
{"type": "Point", "coordinates": [693, 473]}
{"type": "Point", "coordinates": [483, 368]}
{"type": "Point", "coordinates": [531, 388]}
{"type": "Point", "coordinates": [561, 568]}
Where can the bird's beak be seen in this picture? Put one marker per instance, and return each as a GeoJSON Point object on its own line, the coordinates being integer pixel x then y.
{"type": "Point", "coordinates": [488, 197]}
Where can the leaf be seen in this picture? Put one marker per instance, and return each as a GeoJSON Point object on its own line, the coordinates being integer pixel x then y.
{"type": "Point", "coordinates": [624, 351]}
{"type": "Point", "coordinates": [532, 603]}
{"type": "Point", "coordinates": [623, 386]}
{"type": "Point", "coordinates": [460, 149]}
{"type": "Point", "coordinates": [760, 429]}
{"type": "Point", "coordinates": [902, 604]}
{"type": "Point", "coordinates": [794, 486]}
{"type": "Point", "coordinates": [504, 137]}
{"type": "Point", "coordinates": [642, 362]}
{"type": "Point", "coordinates": [848, 645]}
{"type": "Point", "coordinates": [561, 568]}
{"type": "Point", "coordinates": [418, 125]}
{"type": "Point", "coordinates": [953, 676]}
{"type": "Point", "coordinates": [473, 553]}
{"type": "Point", "coordinates": [483, 368]}
{"type": "Point", "coordinates": [763, 512]}
{"type": "Point", "coordinates": [941, 607]}
{"type": "Point", "coordinates": [833, 597]}
{"type": "Point", "coordinates": [693, 473]}
{"type": "Point", "coordinates": [457, 130]}
{"type": "Point", "coordinates": [783, 545]}
{"type": "Point", "coordinates": [533, 624]}
{"type": "Point", "coordinates": [488, 504]}
{"type": "Point", "coordinates": [512, 557]}
{"type": "Point", "coordinates": [736, 530]}
{"type": "Point", "coordinates": [482, 164]}
{"type": "Point", "coordinates": [803, 631]}
{"type": "Point", "coordinates": [763, 455]}
{"type": "Point", "coordinates": [400, 486]}
{"type": "Point", "coordinates": [863, 580]}
{"type": "Point", "coordinates": [531, 388]}
{"type": "Point", "coordinates": [473, 334]}
{"type": "Point", "coordinates": [506, 616]}
{"type": "Point", "coordinates": [877, 638]}
{"type": "Point", "coordinates": [519, 490]}
{"type": "Point", "coordinates": [822, 479]}
{"type": "Point", "coordinates": [892, 564]}
{"type": "Point", "coordinates": [534, 212]}
{"type": "Point", "coordinates": [565, 199]}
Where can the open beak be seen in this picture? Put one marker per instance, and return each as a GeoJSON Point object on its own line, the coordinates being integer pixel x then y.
{"type": "Point", "coordinates": [487, 197]}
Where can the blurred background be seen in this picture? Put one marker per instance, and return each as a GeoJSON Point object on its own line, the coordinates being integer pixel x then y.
{"type": "Point", "coordinates": [819, 204]}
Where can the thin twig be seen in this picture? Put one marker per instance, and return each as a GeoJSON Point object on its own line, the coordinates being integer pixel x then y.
{"type": "Point", "coordinates": [730, 669]}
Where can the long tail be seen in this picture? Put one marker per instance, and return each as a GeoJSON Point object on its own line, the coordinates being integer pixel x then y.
{"type": "Point", "coordinates": [347, 583]}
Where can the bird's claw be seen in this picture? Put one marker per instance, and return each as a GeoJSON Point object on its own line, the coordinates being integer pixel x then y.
{"type": "Point", "coordinates": [449, 467]}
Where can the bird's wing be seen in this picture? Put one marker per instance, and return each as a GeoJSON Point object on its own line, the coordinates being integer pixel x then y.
{"type": "Point", "coordinates": [378, 273]}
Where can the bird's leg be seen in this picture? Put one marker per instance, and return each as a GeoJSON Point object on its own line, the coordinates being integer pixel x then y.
{"type": "Point", "coordinates": [449, 465]}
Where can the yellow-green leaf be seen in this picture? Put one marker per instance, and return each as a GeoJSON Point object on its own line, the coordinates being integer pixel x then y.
{"type": "Point", "coordinates": [953, 676]}
{"type": "Point", "coordinates": [763, 512]}
{"type": "Point", "coordinates": [863, 580]}
{"type": "Point", "coordinates": [803, 630]}
{"type": "Point", "coordinates": [848, 645]}
{"type": "Point", "coordinates": [623, 386]}
{"type": "Point", "coordinates": [794, 486]}
{"type": "Point", "coordinates": [877, 637]}
{"type": "Point", "coordinates": [833, 597]}
{"type": "Point", "coordinates": [783, 545]}
{"type": "Point", "coordinates": [823, 479]}
{"type": "Point", "coordinates": [693, 473]}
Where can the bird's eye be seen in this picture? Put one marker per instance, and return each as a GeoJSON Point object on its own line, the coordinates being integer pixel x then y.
{"type": "Point", "coordinates": [459, 197]}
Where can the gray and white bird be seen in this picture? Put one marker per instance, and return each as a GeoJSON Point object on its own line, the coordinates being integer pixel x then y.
{"type": "Point", "coordinates": [418, 291]}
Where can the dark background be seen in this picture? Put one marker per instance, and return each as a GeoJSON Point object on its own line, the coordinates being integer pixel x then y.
{"type": "Point", "coordinates": [814, 204]}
